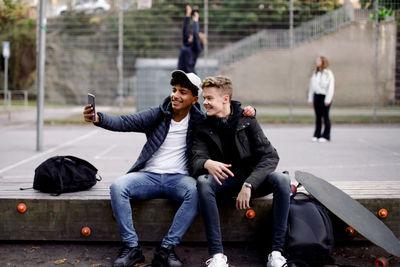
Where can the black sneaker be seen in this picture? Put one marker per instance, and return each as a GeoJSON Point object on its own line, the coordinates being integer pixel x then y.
{"type": "Point", "coordinates": [128, 256]}
{"type": "Point", "coordinates": [166, 257]}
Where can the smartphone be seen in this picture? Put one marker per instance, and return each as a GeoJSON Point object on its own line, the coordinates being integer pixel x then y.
{"type": "Point", "coordinates": [91, 101]}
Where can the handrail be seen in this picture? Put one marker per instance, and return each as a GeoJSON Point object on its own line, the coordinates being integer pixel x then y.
{"type": "Point", "coordinates": [280, 39]}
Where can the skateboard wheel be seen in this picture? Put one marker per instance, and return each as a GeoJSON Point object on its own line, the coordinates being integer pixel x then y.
{"type": "Point", "coordinates": [294, 189]}
{"type": "Point", "coordinates": [21, 207]}
{"type": "Point", "coordinates": [382, 213]}
{"type": "Point", "coordinates": [250, 214]}
{"type": "Point", "coordinates": [349, 231]}
{"type": "Point", "coordinates": [381, 262]}
{"type": "Point", "coordinates": [85, 231]}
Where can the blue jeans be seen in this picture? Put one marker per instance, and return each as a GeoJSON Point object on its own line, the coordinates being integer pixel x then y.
{"type": "Point", "coordinates": [147, 185]}
{"type": "Point", "coordinates": [276, 183]}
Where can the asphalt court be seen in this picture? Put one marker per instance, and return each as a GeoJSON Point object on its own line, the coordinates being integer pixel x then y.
{"type": "Point", "coordinates": [356, 153]}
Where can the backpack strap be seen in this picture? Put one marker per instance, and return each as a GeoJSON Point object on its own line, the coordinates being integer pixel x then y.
{"type": "Point", "coordinates": [60, 163]}
{"type": "Point", "coordinates": [25, 188]}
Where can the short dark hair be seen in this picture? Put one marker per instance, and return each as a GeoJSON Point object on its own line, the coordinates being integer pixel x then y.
{"type": "Point", "coordinates": [184, 82]}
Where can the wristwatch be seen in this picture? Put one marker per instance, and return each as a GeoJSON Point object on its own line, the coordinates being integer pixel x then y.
{"type": "Point", "coordinates": [248, 185]}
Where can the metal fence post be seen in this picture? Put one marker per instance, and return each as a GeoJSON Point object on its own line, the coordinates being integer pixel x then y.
{"type": "Point", "coordinates": [120, 61]}
{"type": "Point", "coordinates": [291, 44]}
{"type": "Point", "coordinates": [25, 98]}
{"type": "Point", "coordinates": [6, 55]}
{"type": "Point", "coordinates": [5, 80]}
{"type": "Point", "coordinates": [206, 35]}
{"type": "Point", "coordinates": [41, 49]}
{"type": "Point", "coordinates": [376, 58]}
{"type": "Point", "coordinates": [9, 99]}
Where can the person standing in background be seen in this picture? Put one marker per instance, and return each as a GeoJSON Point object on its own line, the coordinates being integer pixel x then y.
{"type": "Point", "coordinates": [320, 95]}
{"type": "Point", "coordinates": [192, 44]}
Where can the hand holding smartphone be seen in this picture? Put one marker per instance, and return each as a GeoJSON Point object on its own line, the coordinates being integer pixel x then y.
{"type": "Point", "coordinates": [91, 101]}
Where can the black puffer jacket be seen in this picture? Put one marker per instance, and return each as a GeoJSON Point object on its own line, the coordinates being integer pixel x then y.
{"type": "Point", "coordinates": [258, 157]}
{"type": "Point", "coordinates": [154, 122]}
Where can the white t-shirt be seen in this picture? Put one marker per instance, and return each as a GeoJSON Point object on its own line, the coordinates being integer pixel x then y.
{"type": "Point", "coordinates": [170, 156]}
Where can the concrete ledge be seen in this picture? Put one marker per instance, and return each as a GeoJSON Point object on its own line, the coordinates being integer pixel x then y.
{"type": "Point", "coordinates": [62, 217]}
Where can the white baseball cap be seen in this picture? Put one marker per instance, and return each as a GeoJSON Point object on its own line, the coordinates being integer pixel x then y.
{"type": "Point", "coordinates": [190, 77]}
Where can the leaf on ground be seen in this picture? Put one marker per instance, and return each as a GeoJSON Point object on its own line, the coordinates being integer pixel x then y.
{"type": "Point", "coordinates": [33, 249]}
{"type": "Point", "coordinates": [60, 261]}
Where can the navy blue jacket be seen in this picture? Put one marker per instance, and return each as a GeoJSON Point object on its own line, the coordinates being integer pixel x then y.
{"type": "Point", "coordinates": [189, 50]}
{"type": "Point", "coordinates": [154, 122]}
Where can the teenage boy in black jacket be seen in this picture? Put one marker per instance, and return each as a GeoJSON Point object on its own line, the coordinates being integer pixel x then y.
{"type": "Point", "coordinates": [231, 153]}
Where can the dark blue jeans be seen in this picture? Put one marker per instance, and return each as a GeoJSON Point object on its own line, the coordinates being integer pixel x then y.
{"type": "Point", "coordinates": [276, 183]}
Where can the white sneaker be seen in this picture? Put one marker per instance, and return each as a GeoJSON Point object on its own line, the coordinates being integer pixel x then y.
{"type": "Point", "coordinates": [275, 259]}
{"type": "Point", "coordinates": [322, 140]}
{"type": "Point", "coordinates": [218, 260]}
{"type": "Point", "coordinates": [314, 139]}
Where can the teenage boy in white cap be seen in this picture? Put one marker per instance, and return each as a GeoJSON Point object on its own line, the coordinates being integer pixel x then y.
{"type": "Point", "coordinates": [161, 171]}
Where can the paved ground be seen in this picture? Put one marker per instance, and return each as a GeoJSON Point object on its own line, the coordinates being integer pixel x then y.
{"type": "Point", "coordinates": [358, 153]}
{"type": "Point", "coordinates": [194, 255]}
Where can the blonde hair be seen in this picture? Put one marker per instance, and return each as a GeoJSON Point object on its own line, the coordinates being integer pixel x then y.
{"type": "Point", "coordinates": [222, 83]}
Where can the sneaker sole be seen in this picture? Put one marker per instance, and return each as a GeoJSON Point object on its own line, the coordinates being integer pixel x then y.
{"type": "Point", "coordinates": [139, 260]}
{"type": "Point", "coordinates": [156, 263]}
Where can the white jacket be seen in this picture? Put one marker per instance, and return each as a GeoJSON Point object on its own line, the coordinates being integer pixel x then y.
{"type": "Point", "coordinates": [322, 83]}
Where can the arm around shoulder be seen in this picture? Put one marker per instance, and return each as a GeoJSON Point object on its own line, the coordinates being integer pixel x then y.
{"type": "Point", "coordinates": [266, 154]}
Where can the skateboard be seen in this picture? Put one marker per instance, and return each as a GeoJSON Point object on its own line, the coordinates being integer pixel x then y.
{"type": "Point", "coordinates": [350, 212]}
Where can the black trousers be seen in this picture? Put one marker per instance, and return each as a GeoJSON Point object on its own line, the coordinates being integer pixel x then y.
{"type": "Point", "coordinates": [321, 111]}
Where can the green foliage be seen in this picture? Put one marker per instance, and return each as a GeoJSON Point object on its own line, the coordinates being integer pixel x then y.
{"type": "Point", "coordinates": [77, 23]}
{"type": "Point", "coordinates": [383, 13]}
{"type": "Point", "coordinates": [19, 30]}
{"type": "Point", "coordinates": [388, 4]}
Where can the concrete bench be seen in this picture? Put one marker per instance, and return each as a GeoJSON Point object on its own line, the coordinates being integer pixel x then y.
{"type": "Point", "coordinates": [62, 217]}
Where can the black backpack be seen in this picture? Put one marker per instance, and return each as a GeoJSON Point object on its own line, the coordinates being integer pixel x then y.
{"type": "Point", "coordinates": [61, 174]}
{"type": "Point", "coordinates": [309, 239]}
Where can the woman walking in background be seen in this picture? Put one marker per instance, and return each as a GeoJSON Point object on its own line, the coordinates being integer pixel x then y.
{"type": "Point", "coordinates": [320, 95]}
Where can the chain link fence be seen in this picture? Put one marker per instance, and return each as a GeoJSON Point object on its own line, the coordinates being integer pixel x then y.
{"type": "Point", "coordinates": [82, 49]}
{"type": "Point", "coordinates": [83, 52]}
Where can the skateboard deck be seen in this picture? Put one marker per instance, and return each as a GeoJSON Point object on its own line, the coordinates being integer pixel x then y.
{"type": "Point", "coordinates": [350, 211]}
